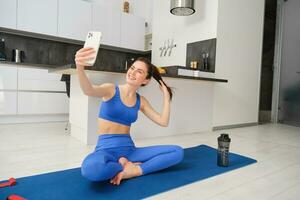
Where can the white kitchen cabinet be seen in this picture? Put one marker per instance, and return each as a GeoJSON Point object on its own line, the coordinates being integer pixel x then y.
{"type": "Point", "coordinates": [42, 103]}
{"type": "Point", "coordinates": [31, 95]}
{"type": "Point", "coordinates": [8, 78]}
{"type": "Point", "coordinates": [132, 32]}
{"type": "Point", "coordinates": [35, 73]}
{"type": "Point", "coordinates": [8, 103]}
{"type": "Point", "coordinates": [8, 14]}
{"type": "Point", "coordinates": [107, 21]}
{"type": "Point", "coordinates": [74, 19]}
{"type": "Point", "coordinates": [38, 16]}
{"type": "Point", "coordinates": [40, 85]}
{"type": "Point", "coordinates": [116, 5]}
{"type": "Point", "coordinates": [39, 80]}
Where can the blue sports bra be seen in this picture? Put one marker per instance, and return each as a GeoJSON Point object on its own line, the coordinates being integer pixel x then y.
{"type": "Point", "coordinates": [115, 110]}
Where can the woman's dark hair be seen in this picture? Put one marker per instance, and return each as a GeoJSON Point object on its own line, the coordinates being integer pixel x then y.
{"type": "Point", "coordinates": [153, 72]}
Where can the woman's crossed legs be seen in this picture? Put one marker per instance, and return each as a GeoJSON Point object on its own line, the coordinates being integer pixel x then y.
{"type": "Point", "coordinates": [122, 163]}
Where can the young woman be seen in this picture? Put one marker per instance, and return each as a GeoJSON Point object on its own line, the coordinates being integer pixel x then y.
{"type": "Point", "coordinates": [116, 157]}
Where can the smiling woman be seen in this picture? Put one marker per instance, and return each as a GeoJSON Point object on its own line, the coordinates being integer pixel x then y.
{"type": "Point", "coordinates": [116, 157]}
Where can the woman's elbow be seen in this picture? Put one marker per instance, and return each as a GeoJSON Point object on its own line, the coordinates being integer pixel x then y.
{"type": "Point", "coordinates": [166, 124]}
{"type": "Point", "coordinates": [86, 92]}
{"type": "Point", "coordinates": [89, 93]}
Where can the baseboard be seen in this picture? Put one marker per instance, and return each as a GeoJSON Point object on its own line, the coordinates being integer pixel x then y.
{"type": "Point", "coordinates": [16, 119]}
{"type": "Point", "coordinates": [234, 126]}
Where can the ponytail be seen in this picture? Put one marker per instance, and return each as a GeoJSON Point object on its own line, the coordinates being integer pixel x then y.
{"type": "Point", "coordinates": [153, 72]}
{"type": "Point", "coordinates": [156, 75]}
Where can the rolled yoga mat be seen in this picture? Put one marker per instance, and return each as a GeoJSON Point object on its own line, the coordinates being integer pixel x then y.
{"type": "Point", "coordinates": [199, 163]}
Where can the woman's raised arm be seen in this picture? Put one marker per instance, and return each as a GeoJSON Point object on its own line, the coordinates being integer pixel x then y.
{"type": "Point", "coordinates": [81, 58]}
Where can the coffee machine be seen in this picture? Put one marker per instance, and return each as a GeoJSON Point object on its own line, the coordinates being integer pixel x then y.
{"type": "Point", "coordinates": [2, 50]}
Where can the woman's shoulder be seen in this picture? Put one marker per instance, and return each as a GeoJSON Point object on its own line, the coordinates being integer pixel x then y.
{"type": "Point", "coordinates": [111, 88]}
{"type": "Point", "coordinates": [143, 101]}
{"type": "Point", "coordinates": [141, 97]}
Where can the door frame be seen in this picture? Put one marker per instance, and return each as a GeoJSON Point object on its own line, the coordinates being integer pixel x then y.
{"type": "Point", "coordinates": [277, 60]}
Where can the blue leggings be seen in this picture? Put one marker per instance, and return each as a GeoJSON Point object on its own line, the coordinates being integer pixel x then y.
{"type": "Point", "coordinates": [103, 163]}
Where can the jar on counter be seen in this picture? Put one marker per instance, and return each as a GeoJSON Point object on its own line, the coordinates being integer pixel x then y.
{"type": "Point", "coordinates": [126, 7]}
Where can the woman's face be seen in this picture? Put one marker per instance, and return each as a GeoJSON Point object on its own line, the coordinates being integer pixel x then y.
{"type": "Point", "coordinates": [137, 73]}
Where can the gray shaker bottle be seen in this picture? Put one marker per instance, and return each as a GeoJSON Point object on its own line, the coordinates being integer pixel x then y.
{"type": "Point", "coordinates": [223, 150]}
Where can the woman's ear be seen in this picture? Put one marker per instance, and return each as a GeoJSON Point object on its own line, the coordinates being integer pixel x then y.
{"type": "Point", "coordinates": [146, 81]}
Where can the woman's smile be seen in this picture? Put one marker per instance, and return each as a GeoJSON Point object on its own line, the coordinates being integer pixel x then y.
{"type": "Point", "coordinates": [131, 77]}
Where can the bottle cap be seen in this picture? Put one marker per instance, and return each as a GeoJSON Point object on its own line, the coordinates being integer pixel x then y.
{"type": "Point", "coordinates": [224, 137]}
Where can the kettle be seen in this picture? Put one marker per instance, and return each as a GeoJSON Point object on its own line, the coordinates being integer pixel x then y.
{"type": "Point", "coordinates": [18, 55]}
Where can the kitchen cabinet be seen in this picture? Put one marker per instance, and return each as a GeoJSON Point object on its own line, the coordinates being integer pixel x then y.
{"type": "Point", "coordinates": [40, 92]}
{"type": "Point", "coordinates": [8, 90]}
{"type": "Point", "coordinates": [132, 32]}
{"type": "Point", "coordinates": [42, 103]}
{"type": "Point", "coordinates": [39, 80]}
{"type": "Point", "coordinates": [8, 103]}
{"type": "Point", "coordinates": [8, 14]}
{"type": "Point", "coordinates": [107, 21]}
{"type": "Point", "coordinates": [37, 16]}
{"type": "Point", "coordinates": [119, 29]}
{"type": "Point", "coordinates": [74, 19]}
{"type": "Point", "coordinates": [31, 91]}
{"type": "Point", "coordinates": [8, 78]}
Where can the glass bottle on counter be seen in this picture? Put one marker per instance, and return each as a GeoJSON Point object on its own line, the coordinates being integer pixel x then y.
{"type": "Point", "coordinates": [2, 50]}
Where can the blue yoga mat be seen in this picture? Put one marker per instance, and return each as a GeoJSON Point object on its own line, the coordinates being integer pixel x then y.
{"type": "Point", "coordinates": [199, 162]}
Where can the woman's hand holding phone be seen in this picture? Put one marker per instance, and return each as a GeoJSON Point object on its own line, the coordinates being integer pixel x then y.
{"type": "Point", "coordinates": [87, 55]}
{"type": "Point", "coordinates": [84, 55]}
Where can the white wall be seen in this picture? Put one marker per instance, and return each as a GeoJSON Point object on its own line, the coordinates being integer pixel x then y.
{"type": "Point", "coordinates": [201, 25]}
{"type": "Point", "coordinates": [238, 59]}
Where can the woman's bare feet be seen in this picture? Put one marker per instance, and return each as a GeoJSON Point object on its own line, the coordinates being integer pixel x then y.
{"type": "Point", "coordinates": [122, 161]}
{"type": "Point", "coordinates": [130, 170]}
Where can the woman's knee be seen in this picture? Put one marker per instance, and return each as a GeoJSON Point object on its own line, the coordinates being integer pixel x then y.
{"type": "Point", "coordinates": [178, 153]}
{"type": "Point", "coordinates": [93, 168]}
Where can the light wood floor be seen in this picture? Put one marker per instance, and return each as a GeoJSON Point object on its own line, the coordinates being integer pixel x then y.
{"type": "Point", "coordinates": [28, 149]}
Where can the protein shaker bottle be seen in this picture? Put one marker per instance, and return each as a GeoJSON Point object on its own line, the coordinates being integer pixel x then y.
{"type": "Point", "coordinates": [223, 150]}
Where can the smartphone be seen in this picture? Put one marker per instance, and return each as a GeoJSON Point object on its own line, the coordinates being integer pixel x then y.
{"type": "Point", "coordinates": [93, 39]}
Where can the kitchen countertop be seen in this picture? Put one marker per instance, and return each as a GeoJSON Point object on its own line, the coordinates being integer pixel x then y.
{"type": "Point", "coordinates": [29, 65]}
{"type": "Point", "coordinates": [71, 69]}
